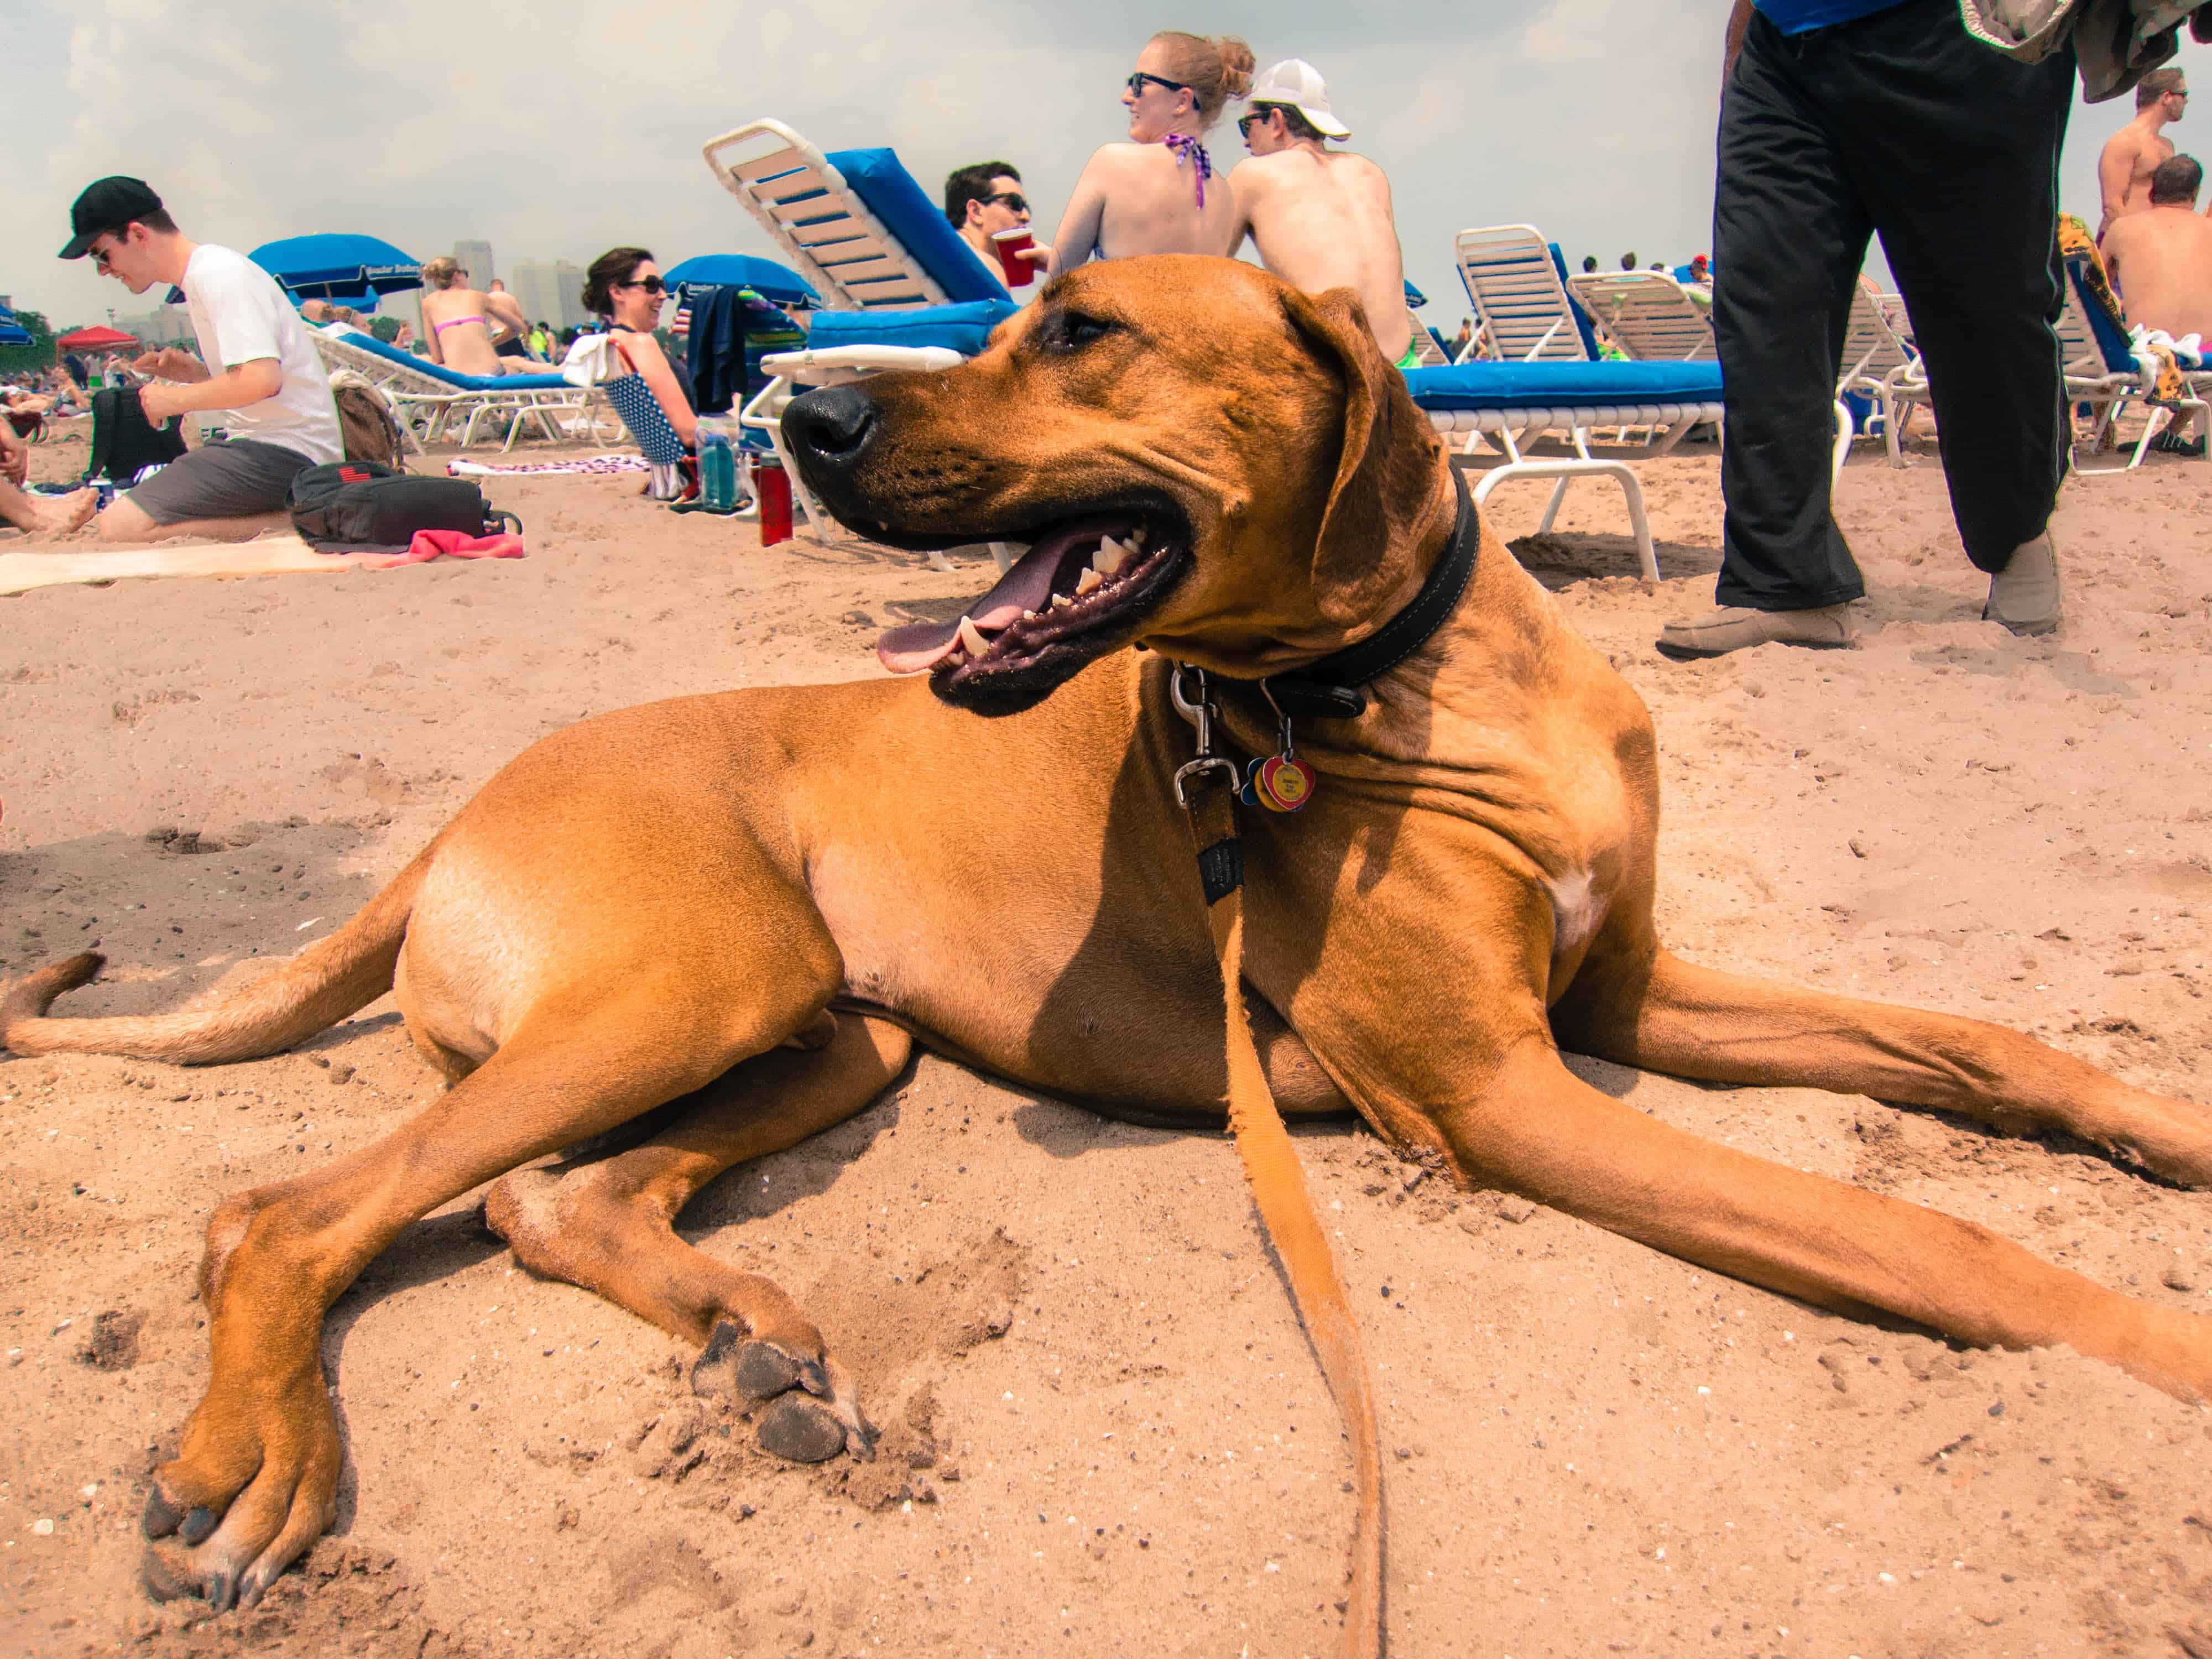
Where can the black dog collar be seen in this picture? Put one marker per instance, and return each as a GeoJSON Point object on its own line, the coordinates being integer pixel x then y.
{"type": "Point", "coordinates": [1330, 688]}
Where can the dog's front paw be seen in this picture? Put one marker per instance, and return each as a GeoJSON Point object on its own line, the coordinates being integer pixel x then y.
{"type": "Point", "coordinates": [813, 1410]}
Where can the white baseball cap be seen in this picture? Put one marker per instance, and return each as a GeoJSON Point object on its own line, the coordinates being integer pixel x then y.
{"type": "Point", "coordinates": [1297, 83]}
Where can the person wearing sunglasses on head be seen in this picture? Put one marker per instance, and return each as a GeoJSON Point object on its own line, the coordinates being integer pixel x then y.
{"type": "Point", "coordinates": [1321, 218]}
{"type": "Point", "coordinates": [623, 285]}
{"type": "Point", "coordinates": [985, 198]}
{"type": "Point", "coordinates": [1157, 193]}
{"type": "Point", "coordinates": [256, 366]}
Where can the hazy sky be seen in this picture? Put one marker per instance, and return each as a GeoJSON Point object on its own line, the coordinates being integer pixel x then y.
{"type": "Point", "coordinates": [558, 129]}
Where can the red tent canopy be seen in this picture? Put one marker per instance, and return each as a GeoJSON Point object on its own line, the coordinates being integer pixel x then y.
{"type": "Point", "coordinates": [95, 339]}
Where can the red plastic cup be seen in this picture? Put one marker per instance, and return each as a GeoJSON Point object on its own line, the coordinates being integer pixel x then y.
{"type": "Point", "coordinates": [775, 487]}
{"type": "Point", "coordinates": [1019, 272]}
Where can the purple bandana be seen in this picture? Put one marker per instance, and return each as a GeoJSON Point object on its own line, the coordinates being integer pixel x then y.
{"type": "Point", "coordinates": [1193, 151]}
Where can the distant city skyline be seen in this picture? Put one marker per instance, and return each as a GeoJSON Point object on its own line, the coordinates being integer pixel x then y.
{"type": "Point", "coordinates": [475, 259]}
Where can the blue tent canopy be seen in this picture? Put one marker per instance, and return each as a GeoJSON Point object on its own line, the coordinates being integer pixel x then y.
{"type": "Point", "coordinates": [772, 282]}
{"type": "Point", "coordinates": [349, 269]}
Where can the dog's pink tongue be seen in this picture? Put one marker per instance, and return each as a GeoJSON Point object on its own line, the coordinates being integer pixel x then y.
{"type": "Point", "coordinates": [1027, 587]}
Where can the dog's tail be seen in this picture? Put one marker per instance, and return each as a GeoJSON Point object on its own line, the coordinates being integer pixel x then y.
{"type": "Point", "coordinates": [322, 985]}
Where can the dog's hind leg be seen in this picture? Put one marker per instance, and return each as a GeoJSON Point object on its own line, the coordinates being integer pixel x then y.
{"type": "Point", "coordinates": [1661, 1013]}
{"type": "Point", "coordinates": [606, 1223]}
{"type": "Point", "coordinates": [257, 1475]}
{"type": "Point", "coordinates": [1535, 1127]}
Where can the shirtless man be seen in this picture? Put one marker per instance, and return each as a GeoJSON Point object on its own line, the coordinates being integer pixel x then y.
{"type": "Point", "coordinates": [2160, 260]}
{"type": "Point", "coordinates": [2133, 154]}
{"type": "Point", "coordinates": [984, 198]}
{"type": "Point", "coordinates": [1157, 194]}
{"type": "Point", "coordinates": [1321, 218]}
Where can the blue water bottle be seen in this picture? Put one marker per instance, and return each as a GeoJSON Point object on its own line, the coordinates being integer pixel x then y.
{"type": "Point", "coordinates": [718, 471]}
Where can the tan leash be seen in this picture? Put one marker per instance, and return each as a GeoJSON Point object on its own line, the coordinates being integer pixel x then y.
{"type": "Point", "coordinates": [1206, 788]}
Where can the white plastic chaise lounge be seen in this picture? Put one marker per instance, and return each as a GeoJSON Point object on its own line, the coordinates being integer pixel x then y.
{"type": "Point", "coordinates": [903, 290]}
{"type": "Point", "coordinates": [1877, 363]}
{"type": "Point", "coordinates": [1649, 314]}
{"type": "Point", "coordinates": [1508, 401]}
{"type": "Point", "coordinates": [428, 397]}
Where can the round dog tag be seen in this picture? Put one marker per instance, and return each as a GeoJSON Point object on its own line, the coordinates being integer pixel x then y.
{"type": "Point", "coordinates": [1284, 783]}
{"type": "Point", "coordinates": [1249, 794]}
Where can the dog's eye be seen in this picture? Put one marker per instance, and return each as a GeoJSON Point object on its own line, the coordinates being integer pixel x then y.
{"type": "Point", "coordinates": [1071, 331]}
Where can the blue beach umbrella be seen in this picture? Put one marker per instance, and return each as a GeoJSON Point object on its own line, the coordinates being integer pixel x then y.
{"type": "Point", "coordinates": [13, 333]}
{"type": "Point", "coordinates": [771, 281]}
{"type": "Point", "coordinates": [1414, 298]}
{"type": "Point", "coordinates": [347, 269]}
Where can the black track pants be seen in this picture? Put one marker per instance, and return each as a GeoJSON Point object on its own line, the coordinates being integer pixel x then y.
{"type": "Point", "coordinates": [1900, 123]}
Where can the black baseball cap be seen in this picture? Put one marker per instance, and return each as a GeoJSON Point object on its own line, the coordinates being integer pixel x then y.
{"type": "Point", "coordinates": [108, 204]}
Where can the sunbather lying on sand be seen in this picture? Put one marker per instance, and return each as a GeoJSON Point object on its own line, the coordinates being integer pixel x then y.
{"type": "Point", "coordinates": [1157, 193]}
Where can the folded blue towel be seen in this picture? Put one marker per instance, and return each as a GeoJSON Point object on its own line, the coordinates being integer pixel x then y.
{"type": "Point", "coordinates": [1486, 385]}
{"type": "Point", "coordinates": [963, 328]}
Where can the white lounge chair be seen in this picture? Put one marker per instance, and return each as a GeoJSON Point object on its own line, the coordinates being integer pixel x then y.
{"type": "Point", "coordinates": [903, 290]}
{"type": "Point", "coordinates": [1517, 283]}
{"type": "Point", "coordinates": [1876, 362]}
{"type": "Point", "coordinates": [430, 398]}
{"type": "Point", "coordinates": [1649, 314]}
{"type": "Point", "coordinates": [1510, 401]}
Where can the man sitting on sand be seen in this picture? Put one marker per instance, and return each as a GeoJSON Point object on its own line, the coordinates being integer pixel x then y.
{"type": "Point", "coordinates": [984, 198]}
{"type": "Point", "coordinates": [272, 390]}
{"type": "Point", "coordinates": [2160, 260]}
{"type": "Point", "coordinates": [1321, 218]}
{"type": "Point", "coordinates": [2135, 152]}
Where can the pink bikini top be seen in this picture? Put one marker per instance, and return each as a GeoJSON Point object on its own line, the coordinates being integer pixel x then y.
{"type": "Point", "coordinates": [455, 322]}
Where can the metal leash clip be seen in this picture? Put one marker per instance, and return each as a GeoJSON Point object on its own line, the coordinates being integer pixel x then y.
{"type": "Point", "coordinates": [1200, 713]}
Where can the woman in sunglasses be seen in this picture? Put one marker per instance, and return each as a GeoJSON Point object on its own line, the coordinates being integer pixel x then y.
{"type": "Point", "coordinates": [623, 285]}
{"type": "Point", "coordinates": [463, 334]}
{"type": "Point", "coordinates": [1157, 193]}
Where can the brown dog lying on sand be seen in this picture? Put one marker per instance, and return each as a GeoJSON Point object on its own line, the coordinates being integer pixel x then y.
{"type": "Point", "coordinates": [752, 905]}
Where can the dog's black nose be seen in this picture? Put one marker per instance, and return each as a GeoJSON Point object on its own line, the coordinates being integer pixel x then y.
{"type": "Point", "coordinates": [828, 426]}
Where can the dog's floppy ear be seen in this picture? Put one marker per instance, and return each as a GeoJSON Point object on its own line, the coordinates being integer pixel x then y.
{"type": "Point", "coordinates": [1386, 474]}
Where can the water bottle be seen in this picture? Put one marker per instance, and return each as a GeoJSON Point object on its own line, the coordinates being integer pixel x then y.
{"type": "Point", "coordinates": [718, 471]}
{"type": "Point", "coordinates": [774, 500]}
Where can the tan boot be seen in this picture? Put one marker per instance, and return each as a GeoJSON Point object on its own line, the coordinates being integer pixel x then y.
{"type": "Point", "coordinates": [2025, 595]}
{"type": "Point", "coordinates": [1733, 627]}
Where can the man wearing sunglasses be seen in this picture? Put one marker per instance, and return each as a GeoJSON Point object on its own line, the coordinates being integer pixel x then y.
{"type": "Point", "coordinates": [1321, 218]}
{"type": "Point", "coordinates": [985, 198]}
{"type": "Point", "coordinates": [256, 366]}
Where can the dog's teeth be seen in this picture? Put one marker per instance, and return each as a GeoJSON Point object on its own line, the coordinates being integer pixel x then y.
{"type": "Point", "coordinates": [1137, 537]}
{"type": "Point", "coordinates": [1028, 616]}
{"type": "Point", "coordinates": [1062, 602]}
{"type": "Point", "coordinates": [1089, 580]}
{"type": "Point", "coordinates": [972, 640]}
{"type": "Point", "coordinates": [1109, 557]}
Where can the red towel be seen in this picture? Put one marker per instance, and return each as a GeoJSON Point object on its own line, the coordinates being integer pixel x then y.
{"type": "Point", "coordinates": [429, 544]}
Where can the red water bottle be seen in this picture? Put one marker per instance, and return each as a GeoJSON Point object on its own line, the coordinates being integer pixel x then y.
{"type": "Point", "coordinates": [775, 487]}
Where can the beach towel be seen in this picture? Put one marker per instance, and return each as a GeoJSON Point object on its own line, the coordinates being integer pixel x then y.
{"type": "Point", "coordinates": [265, 555]}
{"type": "Point", "coordinates": [593, 467]}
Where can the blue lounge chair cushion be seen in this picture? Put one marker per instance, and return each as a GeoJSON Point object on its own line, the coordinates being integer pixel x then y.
{"type": "Point", "coordinates": [1485, 385]}
{"type": "Point", "coordinates": [1581, 318]}
{"type": "Point", "coordinates": [453, 378]}
{"type": "Point", "coordinates": [889, 191]}
{"type": "Point", "coordinates": [963, 328]}
{"type": "Point", "coordinates": [2117, 350]}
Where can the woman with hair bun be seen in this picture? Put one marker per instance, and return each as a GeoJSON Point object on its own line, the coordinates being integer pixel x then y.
{"type": "Point", "coordinates": [457, 321]}
{"type": "Point", "coordinates": [1159, 193]}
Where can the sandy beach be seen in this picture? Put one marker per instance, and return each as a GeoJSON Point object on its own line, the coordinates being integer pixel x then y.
{"type": "Point", "coordinates": [1104, 1433]}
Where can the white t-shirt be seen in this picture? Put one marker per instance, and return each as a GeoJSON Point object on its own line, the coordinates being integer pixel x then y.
{"type": "Point", "coordinates": [242, 316]}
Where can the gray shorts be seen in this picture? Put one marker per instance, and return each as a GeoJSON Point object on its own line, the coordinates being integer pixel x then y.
{"type": "Point", "coordinates": [241, 478]}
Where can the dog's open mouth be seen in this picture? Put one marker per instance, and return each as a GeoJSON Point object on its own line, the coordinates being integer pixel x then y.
{"type": "Point", "coordinates": [1076, 593]}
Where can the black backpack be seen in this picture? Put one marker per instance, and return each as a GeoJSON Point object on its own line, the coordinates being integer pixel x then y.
{"type": "Point", "coordinates": [363, 506]}
{"type": "Point", "coordinates": [123, 441]}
